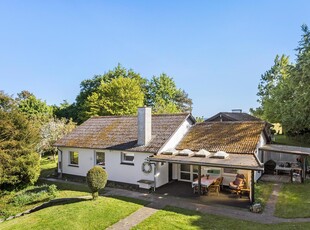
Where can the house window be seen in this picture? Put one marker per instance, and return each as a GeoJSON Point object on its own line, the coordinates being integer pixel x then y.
{"type": "Point", "coordinates": [230, 170]}
{"type": "Point", "coordinates": [74, 158]}
{"type": "Point", "coordinates": [100, 158]}
{"type": "Point", "coordinates": [128, 158]}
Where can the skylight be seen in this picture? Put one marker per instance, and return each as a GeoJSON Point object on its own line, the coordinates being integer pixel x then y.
{"type": "Point", "coordinates": [220, 155]}
{"type": "Point", "coordinates": [170, 152]}
{"type": "Point", "coordinates": [202, 153]}
{"type": "Point", "coordinates": [186, 152]}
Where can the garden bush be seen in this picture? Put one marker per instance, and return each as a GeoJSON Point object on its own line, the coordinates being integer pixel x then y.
{"type": "Point", "coordinates": [96, 179]}
{"type": "Point", "coordinates": [34, 194]}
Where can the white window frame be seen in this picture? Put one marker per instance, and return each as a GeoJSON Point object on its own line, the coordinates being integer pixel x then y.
{"type": "Point", "coordinates": [128, 162]}
{"type": "Point", "coordinates": [70, 160]}
{"type": "Point", "coordinates": [191, 173]}
{"type": "Point", "coordinates": [102, 165]}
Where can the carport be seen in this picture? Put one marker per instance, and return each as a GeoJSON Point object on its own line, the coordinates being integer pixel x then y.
{"type": "Point", "coordinates": [296, 152]}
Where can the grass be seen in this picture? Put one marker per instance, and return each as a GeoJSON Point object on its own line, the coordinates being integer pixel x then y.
{"type": "Point", "coordinates": [48, 166]}
{"type": "Point", "coordinates": [294, 201]}
{"type": "Point", "coordinates": [8, 208]}
{"type": "Point", "coordinates": [284, 140]}
{"type": "Point", "coordinates": [262, 192]}
{"type": "Point", "coordinates": [98, 214]}
{"type": "Point", "coordinates": [63, 185]}
{"type": "Point", "coordinates": [65, 190]}
{"type": "Point", "coordinates": [176, 218]}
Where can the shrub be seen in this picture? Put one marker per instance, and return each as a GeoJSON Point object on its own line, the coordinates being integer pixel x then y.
{"type": "Point", "coordinates": [52, 190]}
{"type": "Point", "coordinates": [96, 179]}
{"type": "Point", "coordinates": [34, 194]}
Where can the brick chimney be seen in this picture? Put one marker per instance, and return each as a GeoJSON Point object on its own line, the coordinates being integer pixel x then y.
{"type": "Point", "coordinates": [144, 125]}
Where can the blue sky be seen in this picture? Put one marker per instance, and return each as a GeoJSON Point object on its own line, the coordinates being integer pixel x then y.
{"type": "Point", "coordinates": [214, 50]}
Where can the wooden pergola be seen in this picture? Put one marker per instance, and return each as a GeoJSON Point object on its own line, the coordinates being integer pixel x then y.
{"type": "Point", "coordinates": [235, 161]}
{"type": "Point", "coordinates": [302, 152]}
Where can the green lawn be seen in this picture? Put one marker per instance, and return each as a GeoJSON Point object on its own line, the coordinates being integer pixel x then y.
{"type": "Point", "coordinates": [98, 214]}
{"type": "Point", "coordinates": [7, 208]}
{"type": "Point", "coordinates": [48, 165]}
{"type": "Point", "coordinates": [294, 201]}
{"type": "Point", "coordinates": [65, 190]}
{"type": "Point", "coordinates": [284, 140]}
{"type": "Point", "coordinates": [176, 218]}
{"type": "Point", "coordinates": [262, 192]}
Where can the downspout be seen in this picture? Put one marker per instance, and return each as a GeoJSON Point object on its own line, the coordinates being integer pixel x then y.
{"type": "Point", "coordinates": [60, 165]}
{"type": "Point", "coordinates": [154, 176]}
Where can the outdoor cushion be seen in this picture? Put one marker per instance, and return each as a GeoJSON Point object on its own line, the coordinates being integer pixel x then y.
{"type": "Point", "coordinates": [233, 186]}
{"type": "Point", "coordinates": [238, 181]}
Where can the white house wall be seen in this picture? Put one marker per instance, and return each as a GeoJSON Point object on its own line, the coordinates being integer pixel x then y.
{"type": "Point", "coordinates": [178, 135]}
{"type": "Point", "coordinates": [126, 173]}
{"type": "Point", "coordinates": [262, 142]}
{"type": "Point", "coordinates": [162, 171]}
{"type": "Point", "coordinates": [116, 170]}
{"type": "Point", "coordinates": [86, 161]}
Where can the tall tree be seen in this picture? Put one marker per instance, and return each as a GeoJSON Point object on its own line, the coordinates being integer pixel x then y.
{"type": "Point", "coordinates": [19, 163]}
{"type": "Point", "coordinates": [121, 96]}
{"type": "Point", "coordinates": [90, 88]}
{"type": "Point", "coordinates": [165, 97]}
{"type": "Point", "coordinates": [33, 107]}
{"type": "Point", "coordinates": [269, 90]}
{"type": "Point", "coordinates": [51, 131]}
{"type": "Point", "coordinates": [160, 92]}
{"type": "Point", "coordinates": [284, 90]}
{"type": "Point", "coordinates": [66, 110]}
{"type": "Point", "coordinates": [297, 108]}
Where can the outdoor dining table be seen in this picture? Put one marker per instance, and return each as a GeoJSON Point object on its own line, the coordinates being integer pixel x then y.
{"type": "Point", "coordinates": [205, 182]}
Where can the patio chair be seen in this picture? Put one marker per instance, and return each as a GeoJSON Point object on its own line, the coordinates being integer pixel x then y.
{"type": "Point", "coordinates": [196, 189]}
{"type": "Point", "coordinates": [238, 184]}
{"type": "Point", "coordinates": [202, 191]}
{"type": "Point", "coordinates": [216, 186]}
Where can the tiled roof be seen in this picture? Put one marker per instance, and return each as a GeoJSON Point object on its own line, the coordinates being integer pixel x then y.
{"type": "Point", "coordinates": [121, 132]}
{"type": "Point", "coordinates": [231, 137]}
{"type": "Point", "coordinates": [226, 116]}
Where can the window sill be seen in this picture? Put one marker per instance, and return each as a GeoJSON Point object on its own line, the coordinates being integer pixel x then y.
{"type": "Point", "coordinates": [125, 163]}
{"type": "Point", "coordinates": [76, 166]}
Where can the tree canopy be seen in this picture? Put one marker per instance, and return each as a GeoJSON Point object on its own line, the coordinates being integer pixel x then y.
{"type": "Point", "coordinates": [120, 92]}
{"type": "Point", "coordinates": [284, 90]}
{"type": "Point", "coordinates": [120, 96]}
{"type": "Point", "coordinates": [165, 97]}
{"type": "Point", "coordinates": [19, 162]}
{"type": "Point", "coordinates": [33, 107]}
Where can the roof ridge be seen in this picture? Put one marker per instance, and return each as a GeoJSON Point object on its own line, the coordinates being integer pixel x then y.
{"type": "Point", "coordinates": [157, 115]}
{"type": "Point", "coordinates": [233, 122]}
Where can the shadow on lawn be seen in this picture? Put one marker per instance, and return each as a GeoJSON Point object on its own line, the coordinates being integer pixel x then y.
{"type": "Point", "coordinates": [60, 201]}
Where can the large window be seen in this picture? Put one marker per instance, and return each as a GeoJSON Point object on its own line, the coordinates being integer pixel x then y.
{"type": "Point", "coordinates": [128, 158]}
{"type": "Point", "coordinates": [185, 172]}
{"type": "Point", "coordinates": [100, 158]}
{"type": "Point", "coordinates": [74, 158]}
{"type": "Point", "coordinates": [230, 170]}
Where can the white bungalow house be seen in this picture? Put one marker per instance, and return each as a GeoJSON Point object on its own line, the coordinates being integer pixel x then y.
{"type": "Point", "coordinates": [162, 148]}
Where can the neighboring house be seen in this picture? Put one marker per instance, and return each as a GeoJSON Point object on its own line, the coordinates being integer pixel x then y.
{"type": "Point", "coordinates": [163, 148]}
{"type": "Point", "coordinates": [232, 116]}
